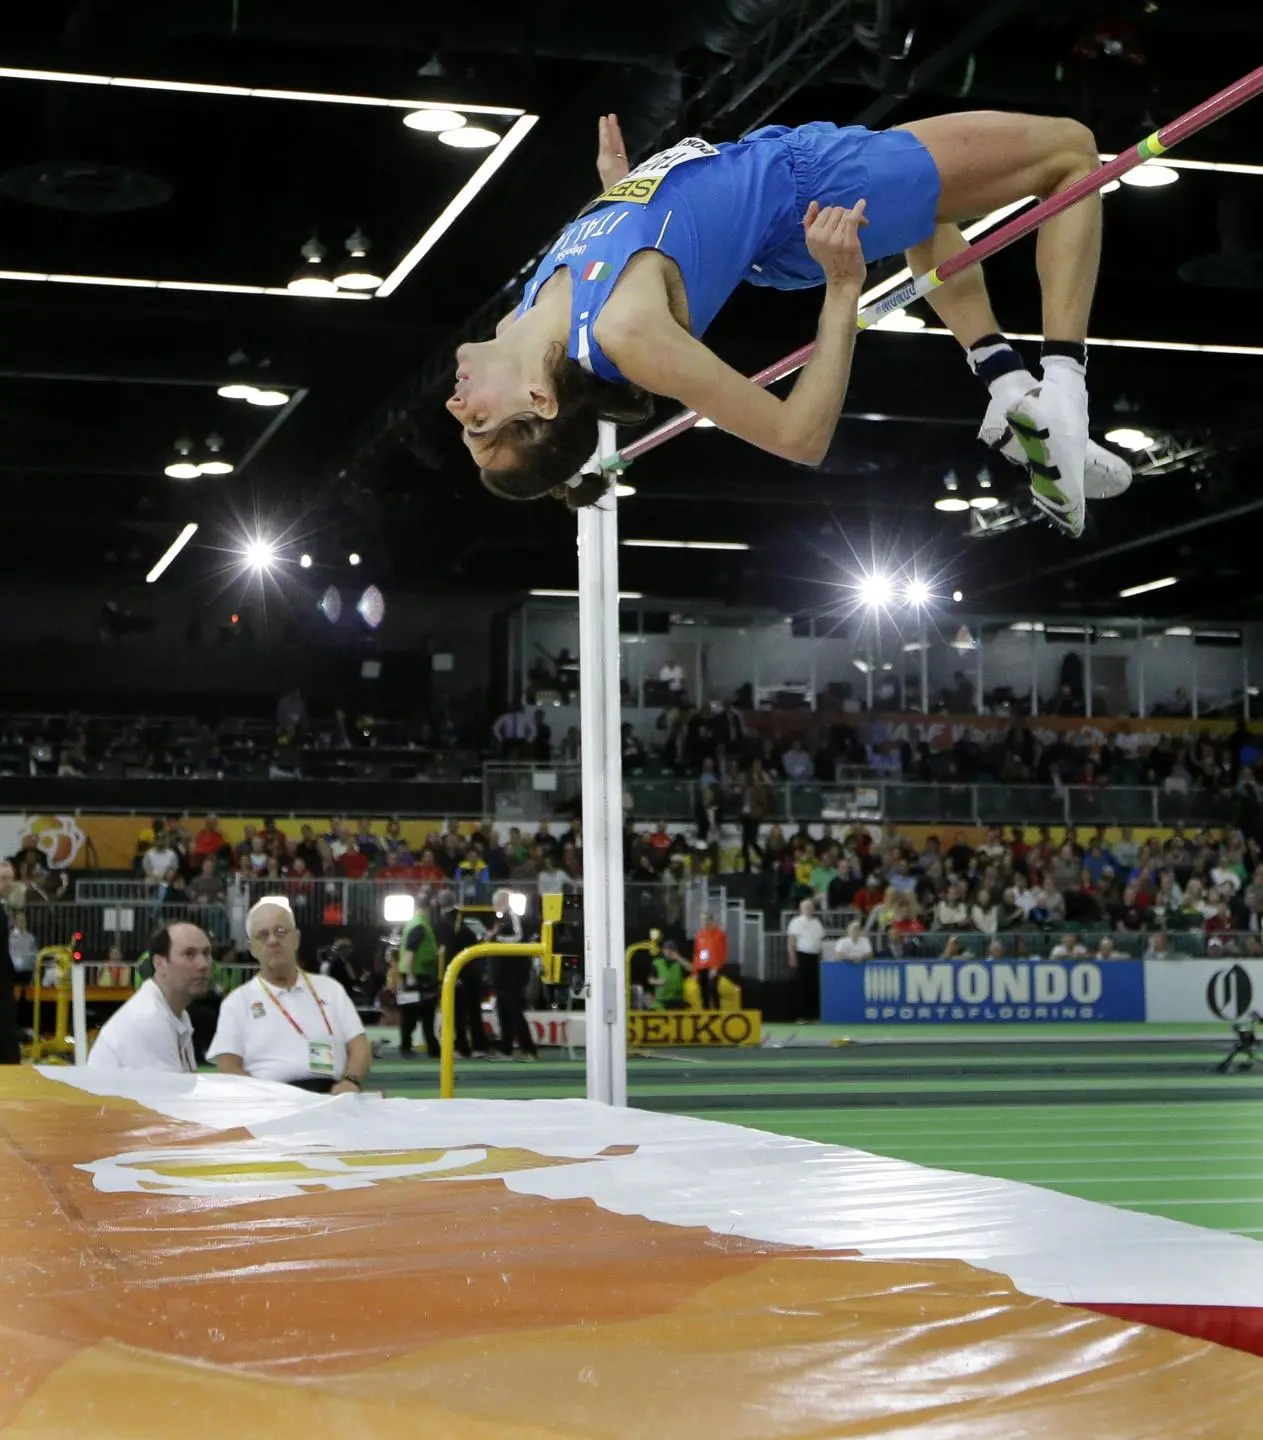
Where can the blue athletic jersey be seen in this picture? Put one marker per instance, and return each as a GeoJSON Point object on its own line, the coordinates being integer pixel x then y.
{"type": "Point", "coordinates": [732, 212]}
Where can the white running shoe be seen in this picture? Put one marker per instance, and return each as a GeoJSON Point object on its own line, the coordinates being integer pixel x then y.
{"type": "Point", "coordinates": [1051, 425]}
{"type": "Point", "coordinates": [1105, 474]}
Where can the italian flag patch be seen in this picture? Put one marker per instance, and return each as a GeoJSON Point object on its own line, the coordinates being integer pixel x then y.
{"type": "Point", "coordinates": [597, 270]}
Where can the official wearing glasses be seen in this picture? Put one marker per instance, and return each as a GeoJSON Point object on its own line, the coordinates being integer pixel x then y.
{"type": "Point", "coordinates": [286, 1024]}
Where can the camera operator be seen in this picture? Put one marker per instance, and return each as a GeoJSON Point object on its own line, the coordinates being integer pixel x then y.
{"type": "Point", "coordinates": [453, 936]}
{"type": "Point", "coordinates": [1246, 1039]}
{"type": "Point", "coordinates": [511, 974]}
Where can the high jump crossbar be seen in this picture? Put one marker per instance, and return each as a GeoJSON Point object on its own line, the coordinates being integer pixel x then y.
{"type": "Point", "coordinates": [1150, 148]}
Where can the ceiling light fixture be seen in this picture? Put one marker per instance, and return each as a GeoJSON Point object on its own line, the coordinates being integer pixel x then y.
{"type": "Point", "coordinates": [1181, 631]}
{"type": "Point", "coordinates": [185, 468]}
{"type": "Point", "coordinates": [304, 562]}
{"type": "Point", "coordinates": [958, 596]}
{"type": "Point", "coordinates": [916, 592]}
{"type": "Point", "coordinates": [899, 320]}
{"type": "Point", "coordinates": [215, 464]}
{"type": "Point", "coordinates": [951, 504]}
{"type": "Point", "coordinates": [172, 550]}
{"type": "Point", "coordinates": [355, 272]}
{"type": "Point", "coordinates": [470, 137]}
{"type": "Point", "coordinates": [875, 590]}
{"type": "Point", "coordinates": [984, 502]}
{"type": "Point", "coordinates": [451, 212]}
{"type": "Point", "coordinates": [686, 544]}
{"type": "Point", "coordinates": [268, 399]}
{"type": "Point", "coordinates": [1144, 589]}
{"type": "Point", "coordinates": [434, 122]}
{"type": "Point", "coordinates": [1110, 186]}
{"type": "Point", "coordinates": [311, 278]}
{"type": "Point", "coordinates": [574, 594]}
{"type": "Point", "coordinates": [259, 554]}
{"type": "Point", "coordinates": [1150, 176]}
{"type": "Point", "coordinates": [1130, 439]}
{"type": "Point", "coordinates": [354, 558]}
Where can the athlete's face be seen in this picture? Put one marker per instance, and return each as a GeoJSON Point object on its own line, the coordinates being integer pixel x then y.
{"type": "Point", "coordinates": [492, 387]}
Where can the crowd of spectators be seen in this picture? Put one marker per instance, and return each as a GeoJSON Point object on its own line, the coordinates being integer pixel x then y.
{"type": "Point", "coordinates": [200, 866]}
{"type": "Point", "coordinates": [1126, 896]}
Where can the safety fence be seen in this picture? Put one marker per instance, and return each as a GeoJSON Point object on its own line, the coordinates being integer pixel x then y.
{"type": "Point", "coordinates": [1070, 941]}
{"type": "Point", "coordinates": [532, 794]}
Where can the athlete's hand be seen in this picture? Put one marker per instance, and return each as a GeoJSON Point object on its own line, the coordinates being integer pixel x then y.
{"type": "Point", "coordinates": [611, 152]}
{"type": "Point", "coordinates": [832, 233]}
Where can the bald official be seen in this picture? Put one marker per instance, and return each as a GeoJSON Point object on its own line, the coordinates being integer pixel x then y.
{"type": "Point", "coordinates": [153, 1030]}
{"type": "Point", "coordinates": [288, 1025]}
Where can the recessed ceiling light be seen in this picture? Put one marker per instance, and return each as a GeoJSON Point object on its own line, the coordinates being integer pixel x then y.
{"type": "Point", "coordinates": [470, 137]}
{"type": "Point", "coordinates": [1130, 438]}
{"type": "Point", "coordinates": [1150, 176]}
{"type": "Point", "coordinates": [984, 502]}
{"type": "Point", "coordinates": [950, 504]}
{"type": "Point", "coordinates": [434, 122]}
{"type": "Point", "coordinates": [235, 390]}
{"type": "Point", "coordinates": [267, 399]}
{"type": "Point", "coordinates": [1144, 589]}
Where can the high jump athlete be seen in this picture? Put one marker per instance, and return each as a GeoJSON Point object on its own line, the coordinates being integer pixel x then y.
{"type": "Point", "coordinates": [614, 312]}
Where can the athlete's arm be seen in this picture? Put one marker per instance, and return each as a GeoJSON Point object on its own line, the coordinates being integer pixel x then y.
{"type": "Point", "coordinates": [662, 357]}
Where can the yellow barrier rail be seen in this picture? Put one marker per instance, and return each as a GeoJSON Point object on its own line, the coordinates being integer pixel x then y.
{"type": "Point", "coordinates": [543, 947]}
{"type": "Point", "coordinates": [61, 1044]}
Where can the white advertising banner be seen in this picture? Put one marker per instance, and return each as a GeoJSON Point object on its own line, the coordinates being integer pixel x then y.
{"type": "Point", "coordinates": [1186, 990]}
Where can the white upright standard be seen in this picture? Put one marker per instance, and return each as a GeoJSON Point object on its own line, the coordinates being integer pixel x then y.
{"type": "Point", "coordinates": [600, 719]}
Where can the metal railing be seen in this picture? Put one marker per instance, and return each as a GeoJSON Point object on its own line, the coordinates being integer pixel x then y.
{"type": "Point", "coordinates": [537, 793]}
{"type": "Point", "coordinates": [1082, 942]}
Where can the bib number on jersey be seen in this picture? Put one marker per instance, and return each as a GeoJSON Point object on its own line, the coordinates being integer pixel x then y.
{"type": "Point", "coordinates": [639, 186]}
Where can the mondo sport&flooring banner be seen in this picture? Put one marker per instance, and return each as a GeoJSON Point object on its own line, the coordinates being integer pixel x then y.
{"type": "Point", "coordinates": [984, 992]}
{"type": "Point", "coordinates": [1211, 990]}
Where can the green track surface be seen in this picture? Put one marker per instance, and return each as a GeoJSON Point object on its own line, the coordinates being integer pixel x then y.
{"type": "Point", "coordinates": [1129, 1115]}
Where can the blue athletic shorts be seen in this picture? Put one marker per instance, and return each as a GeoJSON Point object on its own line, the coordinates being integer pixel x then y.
{"type": "Point", "coordinates": [838, 165]}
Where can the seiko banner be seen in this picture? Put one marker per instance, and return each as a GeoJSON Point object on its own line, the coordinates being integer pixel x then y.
{"type": "Point", "coordinates": [983, 992]}
{"type": "Point", "coordinates": [1211, 990]}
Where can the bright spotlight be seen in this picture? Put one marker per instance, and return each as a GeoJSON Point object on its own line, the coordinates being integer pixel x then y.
{"type": "Point", "coordinates": [398, 909]}
{"type": "Point", "coordinates": [876, 590]}
{"type": "Point", "coordinates": [958, 596]}
{"type": "Point", "coordinates": [1150, 176]}
{"type": "Point", "coordinates": [1125, 436]}
{"type": "Point", "coordinates": [917, 593]}
{"type": "Point", "coordinates": [305, 561]}
{"type": "Point", "coordinates": [353, 558]}
{"type": "Point", "coordinates": [259, 554]}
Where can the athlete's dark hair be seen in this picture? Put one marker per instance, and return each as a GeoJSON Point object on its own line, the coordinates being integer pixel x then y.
{"type": "Point", "coordinates": [548, 453]}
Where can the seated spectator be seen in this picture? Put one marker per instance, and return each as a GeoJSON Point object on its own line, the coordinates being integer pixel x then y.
{"type": "Point", "coordinates": [209, 843]}
{"type": "Point", "coordinates": [905, 920]}
{"type": "Point", "coordinates": [1130, 913]}
{"type": "Point", "coordinates": [951, 912]}
{"type": "Point", "coordinates": [152, 1031]}
{"type": "Point", "coordinates": [854, 945]}
{"type": "Point", "coordinates": [1220, 922]}
{"type": "Point", "coordinates": [1105, 950]}
{"type": "Point", "coordinates": [1068, 948]}
{"type": "Point", "coordinates": [160, 863]}
{"type": "Point", "coordinates": [353, 863]}
{"type": "Point", "coordinates": [206, 888]}
{"type": "Point", "coordinates": [287, 1025]}
{"type": "Point", "coordinates": [995, 950]}
{"type": "Point", "coordinates": [796, 764]}
{"type": "Point", "coordinates": [954, 950]}
{"type": "Point", "coordinates": [256, 857]}
{"type": "Point", "coordinates": [984, 913]}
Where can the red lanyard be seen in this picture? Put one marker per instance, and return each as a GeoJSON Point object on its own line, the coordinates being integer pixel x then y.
{"type": "Point", "coordinates": [275, 1001]}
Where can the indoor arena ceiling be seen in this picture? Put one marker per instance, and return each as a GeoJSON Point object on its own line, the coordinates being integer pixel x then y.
{"type": "Point", "coordinates": [212, 189]}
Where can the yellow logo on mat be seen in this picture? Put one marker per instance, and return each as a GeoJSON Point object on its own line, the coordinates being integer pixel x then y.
{"type": "Point", "coordinates": [254, 1170]}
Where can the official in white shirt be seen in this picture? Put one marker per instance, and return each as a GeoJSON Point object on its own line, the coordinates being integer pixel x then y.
{"type": "Point", "coordinates": [152, 1031]}
{"type": "Point", "coordinates": [285, 1024]}
{"type": "Point", "coordinates": [805, 937]}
